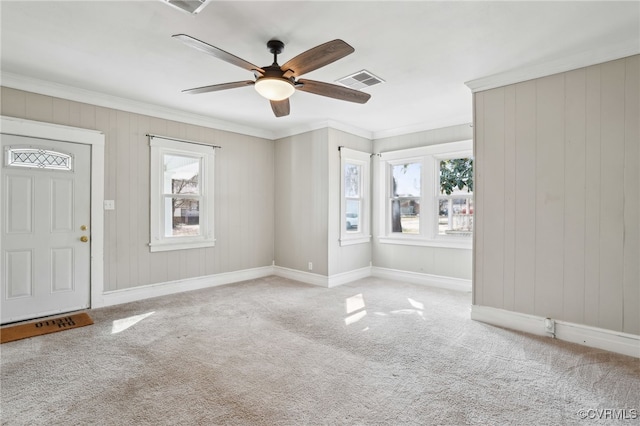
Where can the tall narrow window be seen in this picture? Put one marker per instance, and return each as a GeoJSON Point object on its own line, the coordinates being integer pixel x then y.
{"type": "Point", "coordinates": [354, 210]}
{"type": "Point", "coordinates": [352, 196]}
{"type": "Point", "coordinates": [181, 195]}
{"type": "Point", "coordinates": [455, 197]}
{"type": "Point", "coordinates": [405, 197]}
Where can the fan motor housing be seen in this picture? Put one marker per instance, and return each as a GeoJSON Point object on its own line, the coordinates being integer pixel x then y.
{"type": "Point", "coordinates": [275, 46]}
{"type": "Point", "coordinates": [273, 71]}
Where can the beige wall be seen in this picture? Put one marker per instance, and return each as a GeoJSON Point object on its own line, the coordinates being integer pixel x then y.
{"type": "Point", "coordinates": [448, 262]}
{"type": "Point", "coordinates": [308, 200]}
{"type": "Point", "coordinates": [301, 197]}
{"type": "Point", "coordinates": [307, 193]}
{"type": "Point", "coordinates": [557, 196]}
{"type": "Point", "coordinates": [243, 192]}
{"type": "Point", "coordinates": [275, 200]}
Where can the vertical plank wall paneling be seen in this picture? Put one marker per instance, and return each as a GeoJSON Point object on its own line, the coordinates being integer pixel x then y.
{"type": "Point", "coordinates": [592, 198]}
{"type": "Point", "coordinates": [124, 194]}
{"type": "Point", "coordinates": [301, 194]}
{"type": "Point", "coordinates": [525, 201]}
{"type": "Point", "coordinates": [575, 195]}
{"type": "Point", "coordinates": [509, 182]}
{"type": "Point", "coordinates": [631, 249]}
{"type": "Point", "coordinates": [612, 101]}
{"type": "Point", "coordinates": [478, 199]}
{"type": "Point", "coordinates": [244, 204]}
{"type": "Point", "coordinates": [142, 231]}
{"type": "Point", "coordinates": [308, 203]}
{"type": "Point", "coordinates": [550, 175]}
{"type": "Point", "coordinates": [557, 196]}
{"type": "Point", "coordinates": [493, 201]}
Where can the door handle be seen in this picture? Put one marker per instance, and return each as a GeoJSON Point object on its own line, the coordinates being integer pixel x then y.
{"type": "Point", "coordinates": [84, 238]}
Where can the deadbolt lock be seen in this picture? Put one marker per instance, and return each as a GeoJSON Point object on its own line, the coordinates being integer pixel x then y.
{"type": "Point", "coordinates": [83, 228]}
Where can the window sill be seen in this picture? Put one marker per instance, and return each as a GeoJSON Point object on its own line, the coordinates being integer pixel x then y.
{"type": "Point", "coordinates": [453, 242]}
{"type": "Point", "coordinates": [357, 240]}
{"type": "Point", "coordinates": [180, 245]}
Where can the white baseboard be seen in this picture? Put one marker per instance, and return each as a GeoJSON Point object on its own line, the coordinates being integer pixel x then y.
{"type": "Point", "coordinates": [322, 280]}
{"type": "Point", "coordinates": [116, 297]}
{"type": "Point", "coordinates": [609, 340]}
{"type": "Point", "coordinates": [347, 277]}
{"type": "Point", "coordinates": [449, 283]}
{"type": "Point", "coordinates": [304, 277]}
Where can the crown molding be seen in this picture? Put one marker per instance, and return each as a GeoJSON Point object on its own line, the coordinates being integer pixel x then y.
{"type": "Point", "coordinates": [71, 93]}
{"type": "Point", "coordinates": [325, 124]}
{"type": "Point", "coordinates": [579, 60]}
{"type": "Point", "coordinates": [417, 128]}
{"type": "Point", "coordinates": [42, 87]}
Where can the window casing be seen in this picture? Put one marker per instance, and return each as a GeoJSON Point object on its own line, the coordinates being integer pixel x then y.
{"type": "Point", "coordinates": [354, 195]}
{"type": "Point", "coordinates": [455, 202]}
{"type": "Point", "coordinates": [182, 183]}
{"type": "Point", "coordinates": [415, 210]}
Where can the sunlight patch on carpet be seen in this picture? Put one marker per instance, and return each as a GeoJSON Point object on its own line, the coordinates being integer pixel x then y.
{"type": "Point", "coordinates": [409, 312]}
{"type": "Point", "coordinates": [355, 317]}
{"type": "Point", "coordinates": [354, 303]}
{"type": "Point", "coordinates": [415, 304]}
{"type": "Point", "coordinates": [124, 323]}
{"type": "Point", "coordinates": [355, 306]}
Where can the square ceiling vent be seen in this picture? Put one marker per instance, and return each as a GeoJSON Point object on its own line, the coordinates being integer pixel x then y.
{"type": "Point", "coordinates": [190, 6]}
{"type": "Point", "coordinates": [360, 80]}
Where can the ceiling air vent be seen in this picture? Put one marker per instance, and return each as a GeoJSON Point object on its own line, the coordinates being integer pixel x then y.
{"type": "Point", "coordinates": [360, 80]}
{"type": "Point", "coordinates": [190, 6]}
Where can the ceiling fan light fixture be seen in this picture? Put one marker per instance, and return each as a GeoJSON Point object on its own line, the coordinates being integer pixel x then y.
{"type": "Point", "coordinates": [274, 88]}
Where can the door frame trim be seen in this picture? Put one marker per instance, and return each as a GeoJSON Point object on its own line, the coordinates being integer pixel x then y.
{"type": "Point", "coordinates": [96, 139]}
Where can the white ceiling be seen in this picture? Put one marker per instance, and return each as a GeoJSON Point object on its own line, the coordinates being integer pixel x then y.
{"type": "Point", "coordinates": [425, 51]}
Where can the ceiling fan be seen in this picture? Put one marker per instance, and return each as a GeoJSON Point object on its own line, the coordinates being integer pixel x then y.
{"type": "Point", "coordinates": [277, 83]}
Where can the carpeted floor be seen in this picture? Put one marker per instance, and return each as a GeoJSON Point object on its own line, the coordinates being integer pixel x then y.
{"type": "Point", "coordinates": [277, 352]}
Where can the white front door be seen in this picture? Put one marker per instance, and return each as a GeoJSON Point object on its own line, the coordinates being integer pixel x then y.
{"type": "Point", "coordinates": [46, 212]}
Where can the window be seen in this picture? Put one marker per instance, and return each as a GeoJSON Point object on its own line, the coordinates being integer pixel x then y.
{"type": "Point", "coordinates": [405, 197]}
{"type": "Point", "coordinates": [38, 158]}
{"type": "Point", "coordinates": [181, 195]}
{"type": "Point", "coordinates": [455, 199]}
{"type": "Point", "coordinates": [355, 172]}
{"type": "Point", "coordinates": [428, 195]}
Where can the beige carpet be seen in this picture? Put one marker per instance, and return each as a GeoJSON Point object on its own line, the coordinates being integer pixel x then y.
{"type": "Point", "coordinates": [278, 352]}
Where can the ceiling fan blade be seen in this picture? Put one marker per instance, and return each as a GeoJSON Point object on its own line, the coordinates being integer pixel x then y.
{"type": "Point", "coordinates": [333, 91]}
{"type": "Point", "coordinates": [317, 57]}
{"type": "Point", "coordinates": [280, 108]}
{"type": "Point", "coordinates": [218, 53]}
{"type": "Point", "coordinates": [217, 87]}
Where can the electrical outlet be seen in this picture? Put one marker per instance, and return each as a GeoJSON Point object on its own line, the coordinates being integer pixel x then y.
{"type": "Point", "coordinates": [109, 204]}
{"type": "Point", "coordinates": [549, 325]}
{"type": "Point", "coordinates": [310, 266]}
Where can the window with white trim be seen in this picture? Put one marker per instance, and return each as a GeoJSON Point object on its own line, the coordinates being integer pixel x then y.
{"type": "Point", "coordinates": [354, 193]}
{"type": "Point", "coordinates": [455, 197]}
{"type": "Point", "coordinates": [181, 195]}
{"type": "Point", "coordinates": [427, 195]}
